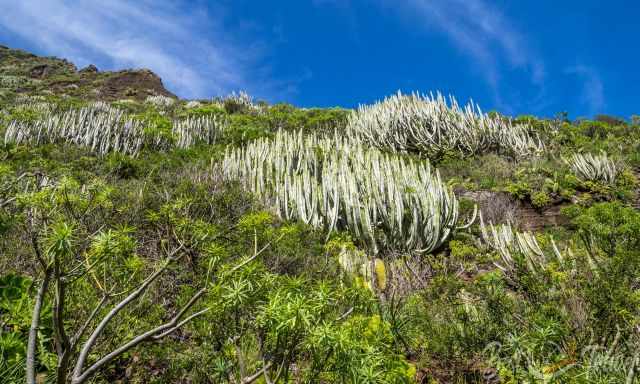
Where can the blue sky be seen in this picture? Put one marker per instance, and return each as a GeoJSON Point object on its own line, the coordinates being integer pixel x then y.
{"type": "Point", "coordinates": [517, 57]}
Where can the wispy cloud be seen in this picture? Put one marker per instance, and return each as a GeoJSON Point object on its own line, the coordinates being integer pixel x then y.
{"type": "Point", "coordinates": [186, 47]}
{"type": "Point", "coordinates": [592, 87]}
{"type": "Point", "coordinates": [479, 30]}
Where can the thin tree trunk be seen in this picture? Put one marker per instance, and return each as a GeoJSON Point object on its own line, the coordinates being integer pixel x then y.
{"type": "Point", "coordinates": [33, 330]}
{"type": "Point", "coordinates": [63, 344]}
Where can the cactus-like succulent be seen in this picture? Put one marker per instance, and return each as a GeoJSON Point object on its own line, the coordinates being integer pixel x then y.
{"type": "Point", "coordinates": [593, 167]}
{"type": "Point", "coordinates": [430, 125]}
{"type": "Point", "coordinates": [240, 101]}
{"type": "Point", "coordinates": [334, 183]}
{"type": "Point", "coordinates": [160, 101]}
{"type": "Point", "coordinates": [512, 245]}
{"type": "Point", "coordinates": [194, 130]}
{"type": "Point", "coordinates": [105, 129]}
{"type": "Point", "coordinates": [192, 104]}
{"type": "Point", "coordinates": [373, 271]}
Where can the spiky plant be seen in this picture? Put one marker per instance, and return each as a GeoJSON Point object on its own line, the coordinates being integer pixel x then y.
{"type": "Point", "coordinates": [334, 183]}
{"type": "Point", "coordinates": [105, 129]}
{"type": "Point", "coordinates": [241, 97]}
{"type": "Point", "coordinates": [36, 106]}
{"type": "Point", "coordinates": [192, 104]}
{"type": "Point", "coordinates": [26, 98]}
{"type": "Point", "coordinates": [193, 130]}
{"type": "Point", "coordinates": [590, 167]}
{"type": "Point", "coordinates": [519, 249]}
{"type": "Point", "coordinates": [240, 101]}
{"type": "Point", "coordinates": [160, 101]}
{"type": "Point", "coordinates": [430, 125]}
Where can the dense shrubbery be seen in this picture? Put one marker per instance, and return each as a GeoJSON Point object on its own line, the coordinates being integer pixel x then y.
{"type": "Point", "coordinates": [295, 292]}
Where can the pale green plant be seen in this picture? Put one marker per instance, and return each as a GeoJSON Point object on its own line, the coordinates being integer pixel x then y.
{"type": "Point", "coordinates": [242, 101]}
{"type": "Point", "coordinates": [192, 104]}
{"type": "Point", "coordinates": [11, 81]}
{"type": "Point", "coordinates": [105, 129]}
{"type": "Point", "coordinates": [160, 101]}
{"type": "Point", "coordinates": [430, 125]}
{"type": "Point", "coordinates": [511, 245]}
{"type": "Point", "coordinates": [593, 167]}
{"type": "Point", "coordinates": [193, 130]}
{"type": "Point", "coordinates": [610, 361]}
{"type": "Point", "coordinates": [102, 130]}
{"type": "Point", "coordinates": [334, 183]}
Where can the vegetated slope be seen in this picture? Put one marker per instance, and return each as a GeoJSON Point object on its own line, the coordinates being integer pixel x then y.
{"type": "Point", "coordinates": [25, 73]}
{"type": "Point", "coordinates": [413, 240]}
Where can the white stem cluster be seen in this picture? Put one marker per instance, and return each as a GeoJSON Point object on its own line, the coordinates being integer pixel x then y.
{"type": "Point", "coordinates": [593, 167]}
{"type": "Point", "coordinates": [244, 100]}
{"type": "Point", "coordinates": [332, 182]}
{"type": "Point", "coordinates": [511, 244]}
{"type": "Point", "coordinates": [106, 129]}
{"type": "Point", "coordinates": [193, 130]}
{"type": "Point", "coordinates": [192, 104]}
{"type": "Point", "coordinates": [102, 131]}
{"type": "Point", "coordinates": [160, 101]}
{"type": "Point", "coordinates": [36, 106]}
{"type": "Point", "coordinates": [11, 81]}
{"type": "Point", "coordinates": [241, 97]}
{"type": "Point", "coordinates": [430, 125]}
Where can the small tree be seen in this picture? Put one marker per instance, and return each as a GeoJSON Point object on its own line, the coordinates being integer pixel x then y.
{"type": "Point", "coordinates": [74, 252]}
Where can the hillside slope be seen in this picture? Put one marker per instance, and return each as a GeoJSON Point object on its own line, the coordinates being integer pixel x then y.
{"type": "Point", "coordinates": [145, 238]}
{"type": "Point", "coordinates": [25, 73]}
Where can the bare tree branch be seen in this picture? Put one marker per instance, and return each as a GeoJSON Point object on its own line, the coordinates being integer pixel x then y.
{"type": "Point", "coordinates": [180, 324]}
{"type": "Point", "coordinates": [255, 376]}
{"type": "Point", "coordinates": [255, 255]}
{"type": "Point", "coordinates": [78, 335]}
{"type": "Point", "coordinates": [80, 377]}
{"type": "Point", "coordinates": [77, 372]}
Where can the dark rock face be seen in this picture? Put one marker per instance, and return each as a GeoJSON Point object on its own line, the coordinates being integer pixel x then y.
{"type": "Point", "coordinates": [500, 208]}
{"type": "Point", "coordinates": [40, 71]}
{"type": "Point", "coordinates": [133, 83]}
{"type": "Point", "coordinates": [59, 76]}
{"type": "Point", "coordinates": [89, 69]}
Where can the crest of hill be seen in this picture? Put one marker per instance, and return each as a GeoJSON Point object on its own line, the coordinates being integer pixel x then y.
{"type": "Point", "coordinates": [25, 73]}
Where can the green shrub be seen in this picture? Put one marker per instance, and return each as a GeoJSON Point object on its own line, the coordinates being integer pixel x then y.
{"type": "Point", "coordinates": [519, 190]}
{"type": "Point", "coordinates": [540, 199]}
{"type": "Point", "coordinates": [122, 166]}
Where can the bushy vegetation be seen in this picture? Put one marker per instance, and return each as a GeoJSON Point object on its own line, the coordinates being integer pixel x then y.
{"type": "Point", "coordinates": [233, 241]}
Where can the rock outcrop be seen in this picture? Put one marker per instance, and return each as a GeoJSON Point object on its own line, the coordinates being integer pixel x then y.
{"type": "Point", "coordinates": [51, 75]}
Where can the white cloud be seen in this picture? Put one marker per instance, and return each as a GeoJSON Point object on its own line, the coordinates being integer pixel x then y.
{"type": "Point", "coordinates": [185, 47]}
{"type": "Point", "coordinates": [592, 87]}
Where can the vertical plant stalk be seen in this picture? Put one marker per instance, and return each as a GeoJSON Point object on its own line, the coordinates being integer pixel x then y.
{"type": "Point", "coordinates": [336, 184]}
{"type": "Point", "coordinates": [35, 324]}
{"type": "Point", "coordinates": [593, 167]}
{"type": "Point", "coordinates": [106, 129]}
{"type": "Point", "coordinates": [432, 126]}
